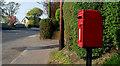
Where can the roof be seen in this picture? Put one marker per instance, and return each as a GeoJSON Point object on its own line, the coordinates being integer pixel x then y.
{"type": "Point", "coordinates": [24, 18]}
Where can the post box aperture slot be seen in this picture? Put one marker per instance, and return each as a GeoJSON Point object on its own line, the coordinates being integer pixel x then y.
{"type": "Point", "coordinates": [79, 17]}
{"type": "Point", "coordinates": [79, 34]}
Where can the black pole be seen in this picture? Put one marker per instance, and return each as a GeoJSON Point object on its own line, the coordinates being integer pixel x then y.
{"type": "Point", "coordinates": [89, 57]}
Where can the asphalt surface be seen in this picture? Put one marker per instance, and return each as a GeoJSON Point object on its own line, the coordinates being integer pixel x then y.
{"type": "Point", "coordinates": [13, 42]}
{"type": "Point", "coordinates": [13, 34]}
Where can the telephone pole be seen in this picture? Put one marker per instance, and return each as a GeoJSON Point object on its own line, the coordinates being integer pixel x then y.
{"type": "Point", "coordinates": [61, 45]}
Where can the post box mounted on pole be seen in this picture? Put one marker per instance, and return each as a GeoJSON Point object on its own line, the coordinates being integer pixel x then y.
{"type": "Point", "coordinates": [90, 31]}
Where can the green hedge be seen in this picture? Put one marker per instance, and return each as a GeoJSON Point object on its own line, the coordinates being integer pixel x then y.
{"type": "Point", "coordinates": [46, 29]}
{"type": "Point", "coordinates": [111, 24]}
{"type": "Point", "coordinates": [55, 25]}
{"type": "Point", "coordinates": [68, 20]}
{"type": "Point", "coordinates": [57, 14]}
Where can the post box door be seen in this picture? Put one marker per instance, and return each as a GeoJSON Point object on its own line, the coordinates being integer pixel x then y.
{"type": "Point", "coordinates": [80, 28]}
{"type": "Point", "coordinates": [92, 28]}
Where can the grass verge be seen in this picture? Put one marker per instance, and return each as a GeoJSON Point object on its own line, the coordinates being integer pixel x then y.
{"type": "Point", "coordinates": [58, 57]}
{"type": "Point", "coordinates": [114, 60]}
{"type": "Point", "coordinates": [69, 57]}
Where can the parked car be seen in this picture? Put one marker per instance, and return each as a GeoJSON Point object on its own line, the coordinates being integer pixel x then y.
{"type": "Point", "coordinates": [20, 25]}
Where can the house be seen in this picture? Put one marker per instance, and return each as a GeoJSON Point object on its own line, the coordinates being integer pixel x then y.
{"type": "Point", "coordinates": [25, 20]}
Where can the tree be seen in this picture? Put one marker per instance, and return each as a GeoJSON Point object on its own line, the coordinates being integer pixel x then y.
{"type": "Point", "coordinates": [2, 3]}
{"type": "Point", "coordinates": [34, 14]}
{"type": "Point", "coordinates": [53, 7]}
{"type": "Point", "coordinates": [12, 8]}
{"type": "Point", "coordinates": [12, 19]}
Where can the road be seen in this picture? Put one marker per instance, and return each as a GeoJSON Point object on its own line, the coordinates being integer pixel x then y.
{"type": "Point", "coordinates": [10, 35]}
{"type": "Point", "coordinates": [13, 42]}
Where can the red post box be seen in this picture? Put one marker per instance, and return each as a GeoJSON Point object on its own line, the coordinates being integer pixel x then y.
{"type": "Point", "coordinates": [90, 27]}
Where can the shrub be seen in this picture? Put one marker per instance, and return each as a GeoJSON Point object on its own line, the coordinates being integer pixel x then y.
{"type": "Point", "coordinates": [31, 22]}
{"type": "Point", "coordinates": [37, 26]}
{"type": "Point", "coordinates": [55, 25]}
{"type": "Point", "coordinates": [110, 13]}
{"type": "Point", "coordinates": [46, 30]}
{"type": "Point", "coordinates": [28, 25]}
{"type": "Point", "coordinates": [57, 14]}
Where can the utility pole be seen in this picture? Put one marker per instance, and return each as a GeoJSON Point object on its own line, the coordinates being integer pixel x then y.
{"type": "Point", "coordinates": [61, 45]}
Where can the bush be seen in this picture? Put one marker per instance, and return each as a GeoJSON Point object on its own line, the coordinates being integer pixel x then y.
{"type": "Point", "coordinates": [46, 30]}
{"type": "Point", "coordinates": [31, 23]}
{"type": "Point", "coordinates": [110, 13]}
{"type": "Point", "coordinates": [55, 25]}
{"type": "Point", "coordinates": [57, 14]}
{"type": "Point", "coordinates": [28, 25]}
{"type": "Point", "coordinates": [37, 26]}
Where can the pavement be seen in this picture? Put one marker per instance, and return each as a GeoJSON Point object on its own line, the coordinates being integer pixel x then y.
{"type": "Point", "coordinates": [37, 52]}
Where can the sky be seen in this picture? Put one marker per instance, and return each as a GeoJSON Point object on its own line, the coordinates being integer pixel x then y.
{"type": "Point", "coordinates": [27, 5]}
